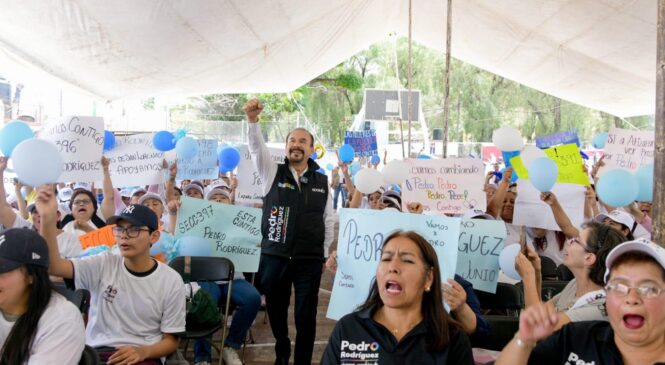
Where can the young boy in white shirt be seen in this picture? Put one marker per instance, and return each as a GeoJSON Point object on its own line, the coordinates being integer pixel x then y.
{"type": "Point", "coordinates": [137, 304]}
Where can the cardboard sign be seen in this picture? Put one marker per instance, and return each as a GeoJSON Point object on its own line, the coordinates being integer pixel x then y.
{"type": "Point", "coordinates": [628, 149]}
{"type": "Point", "coordinates": [480, 244]}
{"type": "Point", "coordinates": [361, 235]}
{"type": "Point", "coordinates": [203, 165]}
{"type": "Point", "coordinates": [233, 232]}
{"type": "Point", "coordinates": [80, 141]}
{"type": "Point", "coordinates": [102, 236]}
{"type": "Point", "coordinates": [363, 142]}
{"type": "Point", "coordinates": [508, 157]}
{"type": "Point", "coordinates": [558, 139]}
{"type": "Point", "coordinates": [530, 211]}
{"type": "Point", "coordinates": [250, 186]}
{"type": "Point", "coordinates": [134, 161]}
{"type": "Point", "coordinates": [452, 185]}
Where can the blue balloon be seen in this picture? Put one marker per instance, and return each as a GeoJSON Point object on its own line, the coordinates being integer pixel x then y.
{"type": "Point", "coordinates": [109, 140]}
{"type": "Point", "coordinates": [644, 177]}
{"type": "Point", "coordinates": [424, 157]}
{"type": "Point", "coordinates": [507, 260]}
{"type": "Point", "coordinates": [346, 153]}
{"type": "Point", "coordinates": [12, 134]}
{"type": "Point", "coordinates": [329, 166]}
{"type": "Point", "coordinates": [163, 141]}
{"type": "Point", "coordinates": [354, 168]}
{"type": "Point", "coordinates": [314, 156]}
{"type": "Point", "coordinates": [321, 171]}
{"type": "Point", "coordinates": [375, 160]}
{"type": "Point", "coordinates": [187, 148]}
{"type": "Point", "coordinates": [194, 246]}
{"type": "Point", "coordinates": [229, 158]}
{"type": "Point", "coordinates": [617, 188]}
{"type": "Point", "coordinates": [599, 140]}
{"type": "Point", "coordinates": [543, 173]}
{"type": "Point", "coordinates": [180, 133]}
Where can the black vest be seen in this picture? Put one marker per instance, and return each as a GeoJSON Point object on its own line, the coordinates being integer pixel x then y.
{"type": "Point", "coordinates": [293, 224]}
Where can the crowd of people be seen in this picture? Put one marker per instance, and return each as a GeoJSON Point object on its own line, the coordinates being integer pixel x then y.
{"type": "Point", "coordinates": [610, 312]}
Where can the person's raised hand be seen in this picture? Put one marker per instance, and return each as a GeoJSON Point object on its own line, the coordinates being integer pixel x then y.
{"type": "Point", "coordinates": [453, 294]}
{"type": "Point", "coordinates": [524, 266]}
{"type": "Point", "coordinates": [252, 109]}
{"type": "Point", "coordinates": [594, 170]}
{"type": "Point", "coordinates": [415, 207]}
{"type": "Point", "coordinates": [507, 175]}
{"type": "Point", "coordinates": [173, 170]}
{"type": "Point", "coordinates": [537, 322]}
{"type": "Point", "coordinates": [173, 206]}
{"type": "Point", "coordinates": [46, 204]}
{"type": "Point", "coordinates": [105, 163]}
{"type": "Point", "coordinates": [534, 258]}
{"type": "Point", "coordinates": [3, 164]}
{"type": "Point", "coordinates": [548, 198]}
{"type": "Point", "coordinates": [331, 262]}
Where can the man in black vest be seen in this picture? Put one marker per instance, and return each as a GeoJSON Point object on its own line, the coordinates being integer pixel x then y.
{"type": "Point", "coordinates": [297, 231]}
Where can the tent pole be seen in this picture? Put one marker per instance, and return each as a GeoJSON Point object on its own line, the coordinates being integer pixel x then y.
{"type": "Point", "coordinates": [658, 210]}
{"type": "Point", "coordinates": [409, 75]}
{"type": "Point", "coordinates": [446, 82]}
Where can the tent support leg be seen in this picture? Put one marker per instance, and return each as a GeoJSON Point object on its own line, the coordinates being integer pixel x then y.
{"type": "Point", "coordinates": [658, 210]}
{"type": "Point", "coordinates": [446, 81]}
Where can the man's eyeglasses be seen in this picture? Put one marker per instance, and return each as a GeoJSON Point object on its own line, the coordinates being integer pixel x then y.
{"type": "Point", "coordinates": [132, 232]}
{"type": "Point", "coordinates": [81, 202]}
{"type": "Point", "coordinates": [645, 291]}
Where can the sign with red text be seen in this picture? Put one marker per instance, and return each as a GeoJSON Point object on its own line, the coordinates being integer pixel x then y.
{"type": "Point", "coordinates": [452, 185]}
{"type": "Point", "coordinates": [628, 149]}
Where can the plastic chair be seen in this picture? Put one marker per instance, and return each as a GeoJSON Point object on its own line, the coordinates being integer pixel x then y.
{"type": "Point", "coordinates": [89, 356]}
{"type": "Point", "coordinates": [564, 273]}
{"type": "Point", "coordinates": [193, 268]}
{"type": "Point", "coordinates": [503, 331]}
{"type": "Point", "coordinates": [548, 268]}
{"type": "Point", "coordinates": [507, 300]}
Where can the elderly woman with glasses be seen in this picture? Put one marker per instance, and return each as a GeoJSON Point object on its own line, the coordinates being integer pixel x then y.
{"type": "Point", "coordinates": [583, 299]}
{"type": "Point", "coordinates": [635, 334]}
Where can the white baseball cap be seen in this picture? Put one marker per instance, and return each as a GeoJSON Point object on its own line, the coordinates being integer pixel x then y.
{"type": "Point", "coordinates": [476, 214]}
{"type": "Point", "coordinates": [618, 216]}
{"type": "Point", "coordinates": [82, 185]}
{"type": "Point", "coordinates": [640, 245]}
{"type": "Point", "coordinates": [217, 191]}
{"type": "Point", "coordinates": [65, 194]}
{"type": "Point", "coordinates": [150, 195]}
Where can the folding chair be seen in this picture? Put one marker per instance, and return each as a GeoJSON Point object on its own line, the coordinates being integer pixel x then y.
{"type": "Point", "coordinates": [79, 297]}
{"type": "Point", "coordinates": [507, 300]}
{"type": "Point", "coordinates": [550, 288]}
{"type": "Point", "coordinates": [193, 268]}
{"type": "Point", "coordinates": [503, 330]}
{"type": "Point", "coordinates": [564, 273]}
{"type": "Point", "coordinates": [547, 268]}
{"type": "Point", "coordinates": [89, 356]}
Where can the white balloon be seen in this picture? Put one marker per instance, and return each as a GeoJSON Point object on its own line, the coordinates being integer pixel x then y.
{"type": "Point", "coordinates": [507, 261]}
{"type": "Point", "coordinates": [395, 172]}
{"type": "Point", "coordinates": [531, 153]}
{"type": "Point", "coordinates": [507, 139]}
{"type": "Point", "coordinates": [368, 181]}
{"type": "Point", "coordinates": [37, 162]}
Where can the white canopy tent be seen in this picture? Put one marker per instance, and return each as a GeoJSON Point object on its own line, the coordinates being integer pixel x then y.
{"type": "Point", "coordinates": [597, 53]}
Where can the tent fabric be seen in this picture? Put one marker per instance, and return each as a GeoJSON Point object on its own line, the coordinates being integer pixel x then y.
{"type": "Point", "coordinates": [597, 53]}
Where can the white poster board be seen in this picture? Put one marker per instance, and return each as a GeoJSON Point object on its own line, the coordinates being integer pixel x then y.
{"type": "Point", "coordinates": [134, 161]}
{"type": "Point", "coordinates": [250, 186]}
{"type": "Point", "coordinates": [628, 149]}
{"type": "Point", "coordinates": [530, 211]}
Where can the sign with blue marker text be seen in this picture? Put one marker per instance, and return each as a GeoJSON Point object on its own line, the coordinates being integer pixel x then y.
{"type": "Point", "coordinates": [363, 142]}
{"type": "Point", "coordinates": [203, 165]}
{"type": "Point", "coordinates": [134, 161]}
{"type": "Point", "coordinates": [250, 186]}
{"type": "Point", "coordinates": [234, 232]}
{"type": "Point", "coordinates": [80, 140]}
{"type": "Point", "coordinates": [559, 138]}
{"type": "Point", "coordinates": [480, 243]}
{"type": "Point", "coordinates": [451, 185]}
{"type": "Point", "coordinates": [361, 235]}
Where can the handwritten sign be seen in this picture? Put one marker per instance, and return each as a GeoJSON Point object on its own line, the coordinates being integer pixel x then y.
{"type": "Point", "coordinates": [203, 165]}
{"type": "Point", "coordinates": [134, 161]}
{"type": "Point", "coordinates": [530, 211]}
{"type": "Point", "coordinates": [80, 141]}
{"type": "Point", "coordinates": [102, 236]}
{"type": "Point", "coordinates": [568, 161]}
{"type": "Point", "coordinates": [250, 186]}
{"type": "Point", "coordinates": [559, 138]}
{"type": "Point", "coordinates": [361, 235]}
{"type": "Point", "coordinates": [452, 185]}
{"type": "Point", "coordinates": [233, 232]}
{"type": "Point", "coordinates": [363, 142]}
{"type": "Point", "coordinates": [629, 149]}
{"type": "Point", "coordinates": [480, 244]}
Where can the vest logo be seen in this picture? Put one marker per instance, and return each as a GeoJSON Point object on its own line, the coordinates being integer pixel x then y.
{"type": "Point", "coordinates": [574, 359]}
{"type": "Point", "coordinates": [286, 186]}
{"type": "Point", "coordinates": [319, 190]}
{"type": "Point", "coordinates": [277, 222]}
{"type": "Point", "coordinates": [367, 352]}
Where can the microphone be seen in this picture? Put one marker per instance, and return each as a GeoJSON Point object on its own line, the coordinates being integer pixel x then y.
{"type": "Point", "coordinates": [303, 180]}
